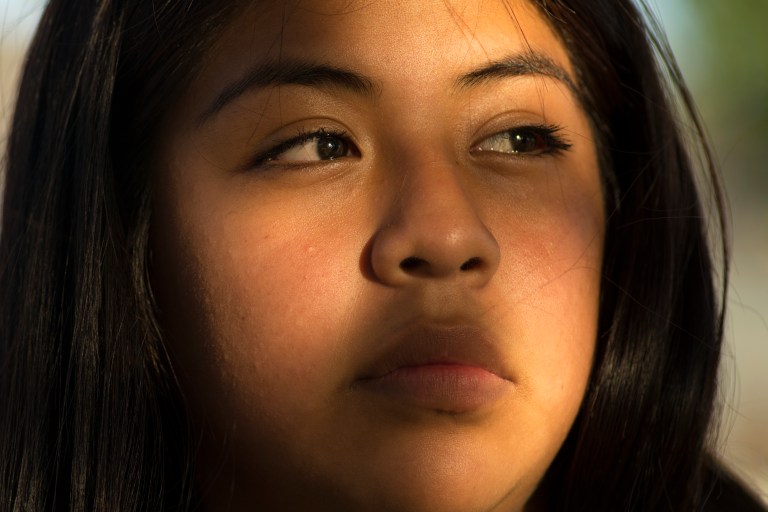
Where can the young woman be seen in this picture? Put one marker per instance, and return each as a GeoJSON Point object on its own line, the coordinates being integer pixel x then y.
{"type": "Point", "coordinates": [340, 255]}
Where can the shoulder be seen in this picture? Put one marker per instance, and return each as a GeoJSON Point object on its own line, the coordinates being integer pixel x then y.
{"type": "Point", "coordinates": [728, 494]}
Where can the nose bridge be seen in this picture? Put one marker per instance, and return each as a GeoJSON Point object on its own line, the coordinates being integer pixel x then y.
{"type": "Point", "coordinates": [435, 205]}
{"type": "Point", "coordinates": [433, 228]}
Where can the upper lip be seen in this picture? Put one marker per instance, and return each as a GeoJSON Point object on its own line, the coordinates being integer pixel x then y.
{"type": "Point", "coordinates": [422, 344]}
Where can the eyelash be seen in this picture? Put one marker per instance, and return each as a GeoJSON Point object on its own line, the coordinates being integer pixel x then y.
{"type": "Point", "coordinates": [554, 143]}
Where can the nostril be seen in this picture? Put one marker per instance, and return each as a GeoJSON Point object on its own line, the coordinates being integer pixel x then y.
{"type": "Point", "coordinates": [411, 263]}
{"type": "Point", "coordinates": [471, 264]}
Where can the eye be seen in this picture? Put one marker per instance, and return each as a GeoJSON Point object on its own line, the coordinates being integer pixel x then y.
{"type": "Point", "coordinates": [317, 146]}
{"type": "Point", "coordinates": [527, 140]}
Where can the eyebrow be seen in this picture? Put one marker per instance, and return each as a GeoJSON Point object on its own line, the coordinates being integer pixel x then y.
{"type": "Point", "coordinates": [290, 72]}
{"type": "Point", "coordinates": [523, 64]}
{"type": "Point", "coordinates": [299, 72]}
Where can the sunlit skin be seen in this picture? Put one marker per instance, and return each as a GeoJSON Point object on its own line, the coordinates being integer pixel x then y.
{"type": "Point", "coordinates": [285, 273]}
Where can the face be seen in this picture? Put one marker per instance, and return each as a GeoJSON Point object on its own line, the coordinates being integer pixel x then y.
{"type": "Point", "coordinates": [377, 243]}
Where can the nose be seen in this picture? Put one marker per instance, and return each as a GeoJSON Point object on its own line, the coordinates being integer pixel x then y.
{"type": "Point", "coordinates": [433, 231]}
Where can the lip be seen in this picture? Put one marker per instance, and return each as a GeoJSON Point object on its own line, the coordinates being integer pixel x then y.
{"type": "Point", "coordinates": [456, 369]}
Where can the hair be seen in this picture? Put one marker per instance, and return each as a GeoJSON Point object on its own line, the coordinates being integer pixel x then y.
{"type": "Point", "coordinates": [91, 416]}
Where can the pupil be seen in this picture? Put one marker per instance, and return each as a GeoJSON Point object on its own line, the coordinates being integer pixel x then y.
{"type": "Point", "coordinates": [524, 142]}
{"type": "Point", "coordinates": [329, 148]}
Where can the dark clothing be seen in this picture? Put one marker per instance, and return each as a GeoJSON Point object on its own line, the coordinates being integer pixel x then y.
{"type": "Point", "coordinates": [730, 495]}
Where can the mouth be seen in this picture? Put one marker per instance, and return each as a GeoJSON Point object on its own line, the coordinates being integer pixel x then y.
{"type": "Point", "coordinates": [453, 369]}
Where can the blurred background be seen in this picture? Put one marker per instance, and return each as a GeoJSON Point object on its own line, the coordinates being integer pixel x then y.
{"type": "Point", "coordinates": [721, 48]}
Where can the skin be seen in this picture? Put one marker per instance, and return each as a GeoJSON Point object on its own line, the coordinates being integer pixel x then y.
{"type": "Point", "coordinates": [279, 284]}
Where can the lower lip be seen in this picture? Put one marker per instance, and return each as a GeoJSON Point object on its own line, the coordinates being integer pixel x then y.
{"type": "Point", "coordinates": [453, 388]}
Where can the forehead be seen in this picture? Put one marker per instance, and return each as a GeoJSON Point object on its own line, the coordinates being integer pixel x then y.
{"type": "Point", "coordinates": [409, 43]}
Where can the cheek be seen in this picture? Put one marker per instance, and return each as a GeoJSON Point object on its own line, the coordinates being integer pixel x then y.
{"type": "Point", "coordinates": [255, 306]}
{"type": "Point", "coordinates": [550, 276]}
